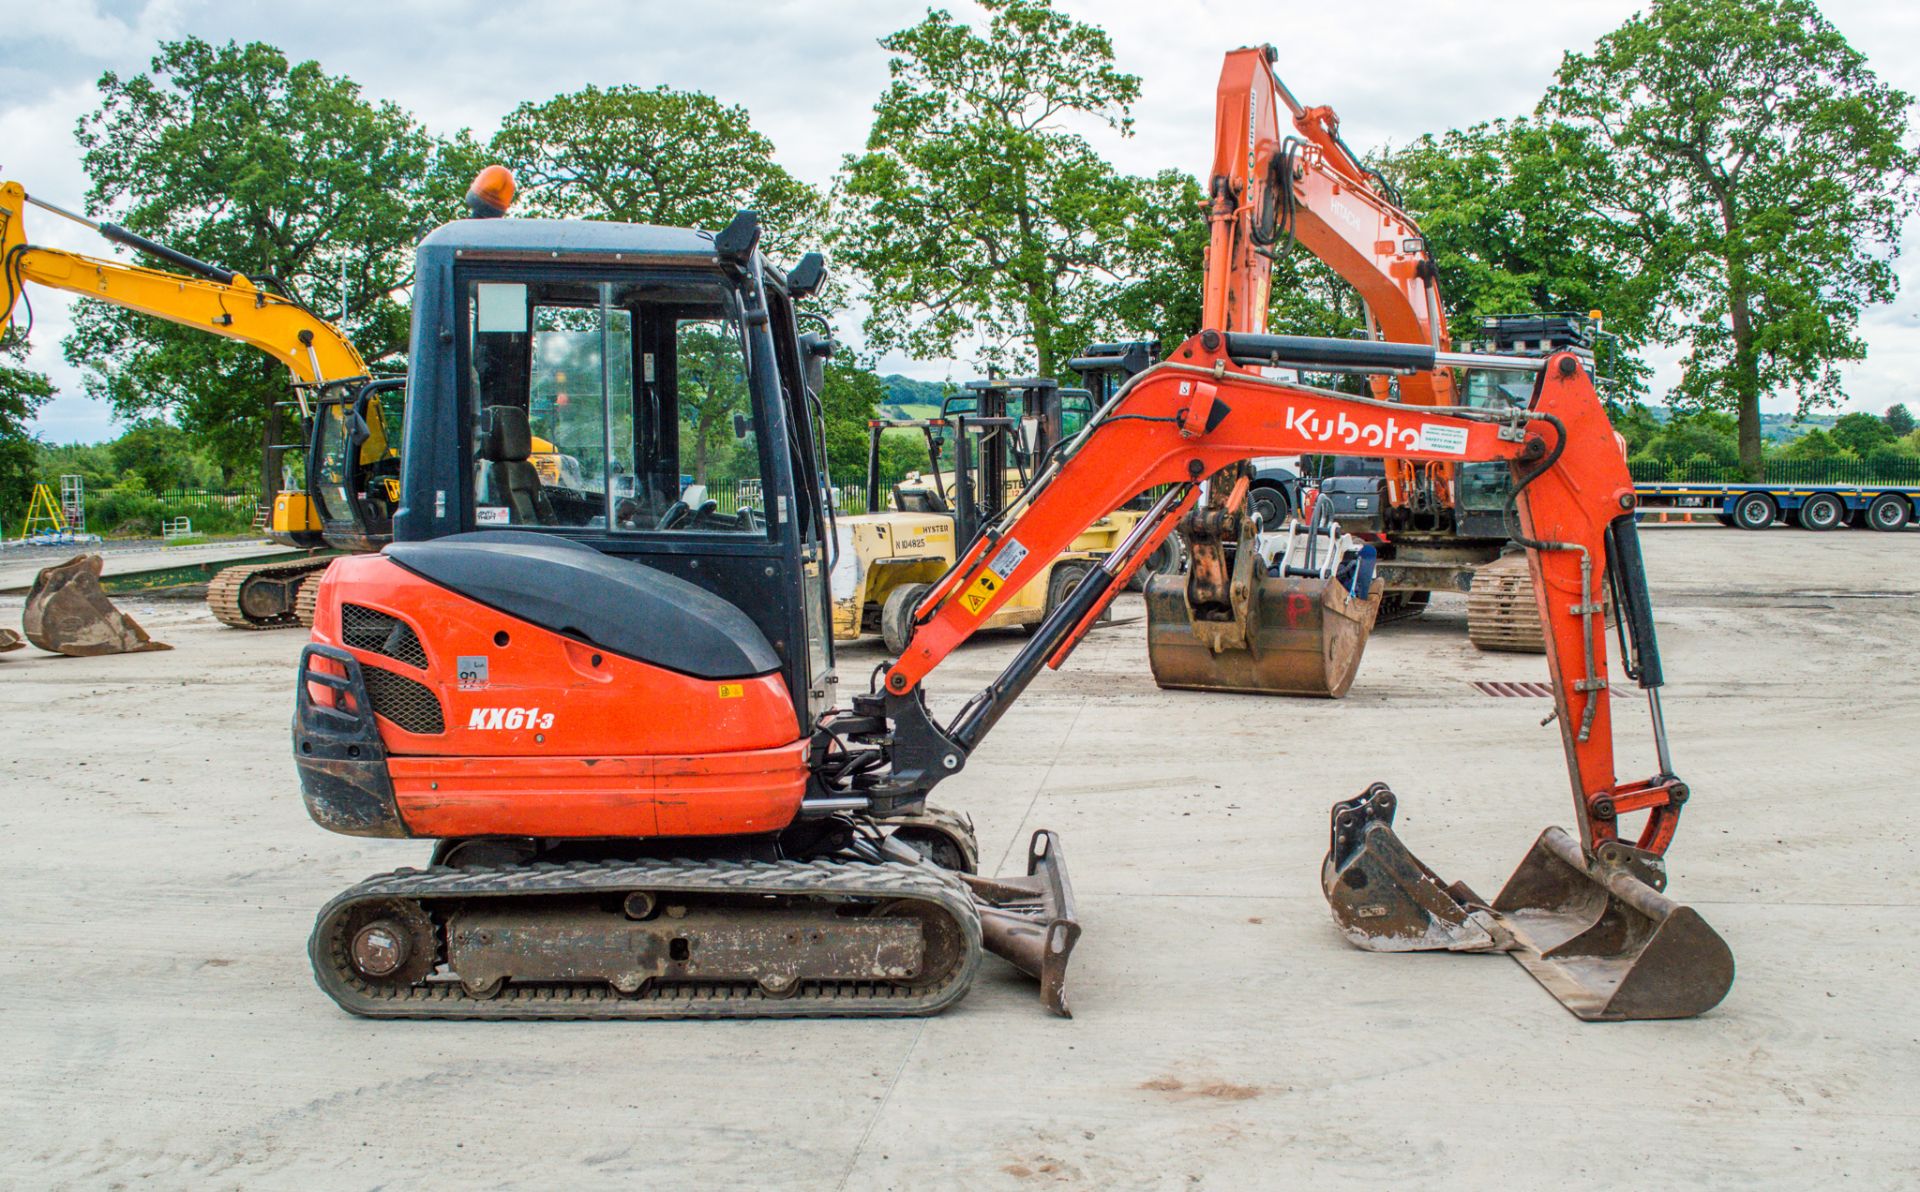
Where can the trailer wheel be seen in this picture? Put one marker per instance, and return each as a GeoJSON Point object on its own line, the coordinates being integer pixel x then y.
{"type": "Point", "coordinates": [1822, 511]}
{"type": "Point", "coordinates": [1754, 511]}
{"type": "Point", "coordinates": [1889, 511]}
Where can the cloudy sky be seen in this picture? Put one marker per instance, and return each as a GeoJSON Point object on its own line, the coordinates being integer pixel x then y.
{"type": "Point", "coordinates": [809, 71]}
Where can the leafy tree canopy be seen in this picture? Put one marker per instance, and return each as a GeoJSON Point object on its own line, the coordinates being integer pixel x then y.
{"type": "Point", "coordinates": [1747, 161]}
{"type": "Point", "coordinates": [653, 155]}
{"type": "Point", "coordinates": [22, 393]}
{"type": "Point", "coordinates": [276, 169]}
{"type": "Point", "coordinates": [981, 223]}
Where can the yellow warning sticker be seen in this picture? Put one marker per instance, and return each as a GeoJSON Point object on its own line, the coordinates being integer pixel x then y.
{"type": "Point", "coordinates": [975, 598]}
{"type": "Point", "coordinates": [732, 690]}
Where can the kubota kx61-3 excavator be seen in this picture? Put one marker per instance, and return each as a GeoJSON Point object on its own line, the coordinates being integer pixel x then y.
{"type": "Point", "coordinates": [351, 448]}
{"type": "Point", "coordinates": [613, 711]}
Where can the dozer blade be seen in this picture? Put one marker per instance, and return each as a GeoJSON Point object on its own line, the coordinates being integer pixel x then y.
{"type": "Point", "coordinates": [1031, 921]}
{"type": "Point", "coordinates": [11, 640]}
{"type": "Point", "coordinates": [68, 613]}
{"type": "Point", "coordinates": [1597, 935]}
{"type": "Point", "coordinates": [1297, 637]}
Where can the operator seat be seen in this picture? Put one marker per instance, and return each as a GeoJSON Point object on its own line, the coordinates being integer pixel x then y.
{"type": "Point", "coordinates": [505, 443]}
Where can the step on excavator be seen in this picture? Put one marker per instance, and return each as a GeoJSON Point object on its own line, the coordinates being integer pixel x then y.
{"type": "Point", "coordinates": [349, 454]}
{"type": "Point", "coordinates": [616, 716]}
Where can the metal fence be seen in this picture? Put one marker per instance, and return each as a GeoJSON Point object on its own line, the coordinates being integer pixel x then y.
{"type": "Point", "coordinates": [1782, 471]}
{"type": "Point", "coordinates": [200, 500]}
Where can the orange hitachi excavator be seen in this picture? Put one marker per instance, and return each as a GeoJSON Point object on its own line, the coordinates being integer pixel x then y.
{"type": "Point", "coordinates": [1244, 622]}
{"type": "Point", "coordinates": [610, 703]}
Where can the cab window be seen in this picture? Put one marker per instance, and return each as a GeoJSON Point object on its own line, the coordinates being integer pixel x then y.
{"type": "Point", "coordinates": [611, 405]}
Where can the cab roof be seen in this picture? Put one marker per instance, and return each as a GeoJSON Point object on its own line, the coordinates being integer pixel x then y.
{"type": "Point", "coordinates": [569, 237]}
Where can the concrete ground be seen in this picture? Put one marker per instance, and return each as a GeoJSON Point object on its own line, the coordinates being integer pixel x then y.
{"type": "Point", "coordinates": [161, 1027]}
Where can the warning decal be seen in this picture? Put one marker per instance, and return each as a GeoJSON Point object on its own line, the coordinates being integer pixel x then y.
{"type": "Point", "coordinates": [975, 598]}
{"type": "Point", "coordinates": [1447, 440]}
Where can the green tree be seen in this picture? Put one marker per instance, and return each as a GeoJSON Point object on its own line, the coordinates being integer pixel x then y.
{"type": "Point", "coordinates": [1860, 433]}
{"type": "Point", "coordinates": [1707, 435]}
{"type": "Point", "coordinates": [161, 455]}
{"type": "Point", "coordinates": [1816, 444]}
{"type": "Point", "coordinates": [279, 170]}
{"type": "Point", "coordinates": [653, 155]}
{"type": "Point", "coordinates": [1510, 233]}
{"type": "Point", "coordinates": [976, 213]}
{"type": "Point", "coordinates": [22, 393]}
{"type": "Point", "coordinates": [1637, 425]}
{"type": "Point", "coordinates": [1899, 420]}
{"type": "Point", "coordinates": [1756, 169]}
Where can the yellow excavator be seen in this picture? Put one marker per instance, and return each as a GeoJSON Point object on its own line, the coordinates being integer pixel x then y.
{"type": "Point", "coordinates": [351, 418]}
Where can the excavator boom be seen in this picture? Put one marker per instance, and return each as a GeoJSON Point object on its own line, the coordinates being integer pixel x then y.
{"type": "Point", "coordinates": [1584, 916]}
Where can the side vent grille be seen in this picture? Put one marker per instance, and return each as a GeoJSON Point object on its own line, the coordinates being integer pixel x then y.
{"type": "Point", "coordinates": [408, 704]}
{"type": "Point", "coordinates": [369, 629]}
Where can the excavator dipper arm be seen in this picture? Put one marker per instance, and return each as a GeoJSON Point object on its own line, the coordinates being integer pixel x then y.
{"type": "Point", "coordinates": [1586, 918]}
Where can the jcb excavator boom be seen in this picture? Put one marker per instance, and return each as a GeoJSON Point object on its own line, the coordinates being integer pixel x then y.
{"type": "Point", "coordinates": [328, 372]}
{"type": "Point", "coordinates": [217, 301]}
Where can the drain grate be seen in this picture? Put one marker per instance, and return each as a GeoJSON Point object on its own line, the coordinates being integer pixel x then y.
{"type": "Point", "coordinates": [1522, 690]}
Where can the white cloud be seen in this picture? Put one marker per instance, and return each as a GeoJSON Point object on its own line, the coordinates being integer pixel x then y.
{"type": "Point", "coordinates": [810, 71]}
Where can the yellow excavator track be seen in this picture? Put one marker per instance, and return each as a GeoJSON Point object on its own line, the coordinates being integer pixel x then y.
{"type": "Point", "coordinates": [263, 595]}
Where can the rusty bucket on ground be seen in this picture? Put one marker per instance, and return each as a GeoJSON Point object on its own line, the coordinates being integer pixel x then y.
{"type": "Point", "coordinates": [1031, 921]}
{"type": "Point", "coordinates": [1289, 633]}
{"type": "Point", "coordinates": [68, 613]}
{"type": "Point", "coordinates": [1597, 933]}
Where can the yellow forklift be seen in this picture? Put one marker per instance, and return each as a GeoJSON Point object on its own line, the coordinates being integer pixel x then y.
{"type": "Point", "coordinates": [1001, 431]}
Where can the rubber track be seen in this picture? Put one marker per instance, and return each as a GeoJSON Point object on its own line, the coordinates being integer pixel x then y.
{"type": "Point", "coordinates": [597, 1000]}
{"type": "Point", "coordinates": [223, 593]}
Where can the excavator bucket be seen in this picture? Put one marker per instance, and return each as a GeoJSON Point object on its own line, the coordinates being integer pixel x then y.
{"type": "Point", "coordinates": [1599, 935]}
{"type": "Point", "coordinates": [1290, 633]}
{"type": "Point", "coordinates": [1031, 921]}
{"type": "Point", "coordinates": [68, 613]}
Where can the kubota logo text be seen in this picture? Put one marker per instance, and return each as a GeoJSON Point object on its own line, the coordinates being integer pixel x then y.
{"type": "Point", "coordinates": [497, 718]}
{"type": "Point", "coordinates": [1391, 434]}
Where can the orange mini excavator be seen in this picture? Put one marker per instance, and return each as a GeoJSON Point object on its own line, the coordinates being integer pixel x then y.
{"type": "Point", "coordinates": [607, 693]}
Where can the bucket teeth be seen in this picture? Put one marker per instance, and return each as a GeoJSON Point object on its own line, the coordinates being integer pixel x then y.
{"type": "Point", "coordinates": [1597, 934]}
{"type": "Point", "coordinates": [1032, 922]}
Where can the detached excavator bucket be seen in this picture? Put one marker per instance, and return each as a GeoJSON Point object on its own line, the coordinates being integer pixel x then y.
{"type": "Point", "coordinates": [1031, 921]}
{"type": "Point", "coordinates": [1300, 605]}
{"type": "Point", "coordinates": [1598, 934]}
{"type": "Point", "coordinates": [68, 613]}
